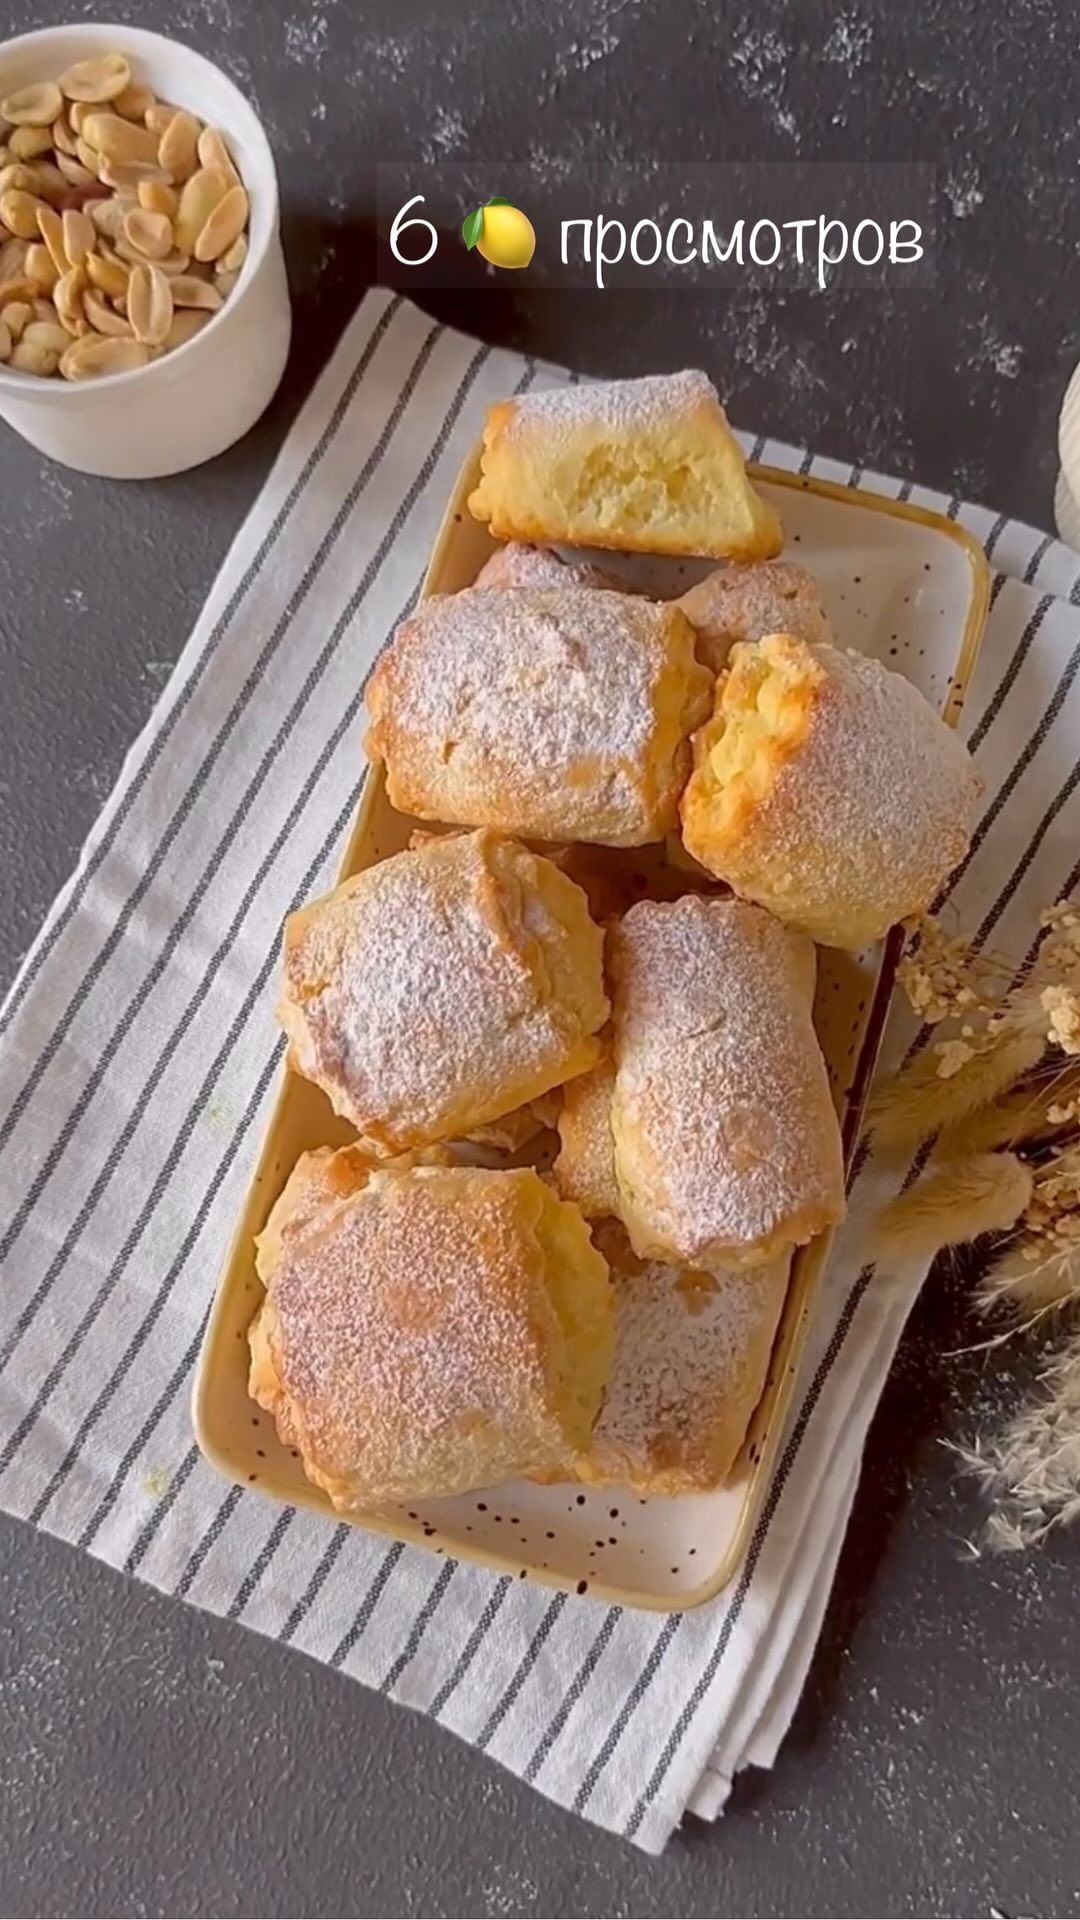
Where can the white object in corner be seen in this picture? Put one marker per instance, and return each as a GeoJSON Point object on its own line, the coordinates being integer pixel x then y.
{"type": "Point", "coordinates": [193, 403]}
{"type": "Point", "coordinates": [1067, 512]}
{"type": "Point", "coordinates": [1067, 491]}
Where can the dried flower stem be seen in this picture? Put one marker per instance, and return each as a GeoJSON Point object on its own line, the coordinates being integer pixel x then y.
{"type": "Point", "coordinates": [999, 1093]}
{"type": "Point", "coordinates": [920, 1102]}
{"type": "Point", "coordinates": [954, 1203]}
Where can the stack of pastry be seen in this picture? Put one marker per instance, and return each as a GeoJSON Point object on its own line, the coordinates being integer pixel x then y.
{"type": "Point", "coordinates": [643, 815]}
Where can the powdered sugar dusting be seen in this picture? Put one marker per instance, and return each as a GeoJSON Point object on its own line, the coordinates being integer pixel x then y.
{"type": "Point", "coordinates": [747, 602]}
{"type": "Point", "coordinates": [413, 1001]}
{"type": "Point", "coordinates": [536, 711]}
{"type": "Point", "coordinates": [690, 1355]}
{"type": "Point", "coordinates": [519, 565]}
{"type": "Point", "coordinates": [620, 406]}
{"type": "Point", "coordinates": [406, 1321]}
{"type": "Point", "coordinates": [585, 1169]}
{"type": "Point", "coordinates": [725, 1131]}
{"type": "Point", "coordinates": [883, 794]}
{"type": "Point", "coordinates": [882, 764]}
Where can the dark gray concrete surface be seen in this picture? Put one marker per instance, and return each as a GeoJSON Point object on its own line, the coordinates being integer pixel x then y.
{"type": "Point", "coordinates": [156, 1762]}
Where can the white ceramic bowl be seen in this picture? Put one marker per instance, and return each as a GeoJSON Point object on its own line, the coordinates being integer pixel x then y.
{"type": "Point", "coordinates": [198, 400]}
{"type": "Point", "coordinates": [1068, 489]}
{"type": "Point", "coordinates": [1067, 512]}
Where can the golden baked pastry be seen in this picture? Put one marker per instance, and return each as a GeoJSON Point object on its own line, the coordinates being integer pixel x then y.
{"type": "Point", "coordinates": [430, 1329]}
{"type": "Point", "coordinates": [517, 565]}
{"type": "Point", "coordinates": [745, 603]}
{"type": "Point", "coordinates": [828, 790]}
{"type": "Point", "coordinates": [443, 988]}
{"type": "Point", "coordinates": [585, 1168]}
{"type": "Point", "coordinates": [692, 1352]}
{"type": "Point", "coordinates": [552, 714]}
{"type": "Point", "coordinates": [644, 466]}
{"type": "Point", "coordinates": [318, 1179]}
{"type": "Point", "coordinates": [727, 1146]}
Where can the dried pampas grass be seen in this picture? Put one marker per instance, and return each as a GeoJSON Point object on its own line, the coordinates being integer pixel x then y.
{"type": "Point", "coordinates": [998, 1098]}
{"type": "Point", "coordinates": [1031, 1282]}
{"type": "Point", "coordinates": [953, 1204]}
{"type": "Point", "coordinates": [1030, 1471]}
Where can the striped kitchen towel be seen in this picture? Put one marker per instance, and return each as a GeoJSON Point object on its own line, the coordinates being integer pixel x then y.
{"type": "Point", "coordinates": [137, 1059]}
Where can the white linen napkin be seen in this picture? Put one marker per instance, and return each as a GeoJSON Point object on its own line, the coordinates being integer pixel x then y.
{"type": "Point", "coordinates": [137, 1056]}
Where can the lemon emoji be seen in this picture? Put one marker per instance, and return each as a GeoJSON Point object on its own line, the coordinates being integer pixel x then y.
{"type": "Point", "coordinates": [499, 232]}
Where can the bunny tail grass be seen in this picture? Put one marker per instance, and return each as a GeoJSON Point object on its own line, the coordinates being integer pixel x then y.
{"type": "Point", "coordinates": [919, 1102]}
{"type": "Point", "coordinates": [953, 1204]}
{"type": "Point", "coordinates": [1017, 1117]}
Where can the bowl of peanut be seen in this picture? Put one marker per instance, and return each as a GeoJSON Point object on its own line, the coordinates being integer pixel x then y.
{"type": "Point", "coordinates": [144, 308]}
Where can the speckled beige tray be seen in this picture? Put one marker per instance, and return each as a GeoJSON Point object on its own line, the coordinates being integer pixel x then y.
{"type": "Point", "coordinates": [909, 587]}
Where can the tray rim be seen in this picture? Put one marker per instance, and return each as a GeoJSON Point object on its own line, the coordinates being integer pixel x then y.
{"type": "Point", "coordinates": [768, 1420]}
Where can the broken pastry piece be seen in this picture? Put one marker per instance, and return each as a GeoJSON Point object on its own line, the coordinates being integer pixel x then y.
{"type": "Point", "coordinates": [640, 466]}
{"type": "Point", "coordinates": [692, 1350]}
{"type": "Point", "coordinates": [828, 790]}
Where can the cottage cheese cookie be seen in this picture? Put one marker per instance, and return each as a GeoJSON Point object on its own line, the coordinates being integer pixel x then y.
{"type": "Point", "coordinates": [427, 1330]}
{"type": "Point", "coordinates": [557, 715]}
{"type": "Point", "coordinates": [642, 466]}
{"type": "Point", "coordinates": [828, 790]}
{"type": "Point", "coordinates": [442, 989]}
{"type": "Point", "coordinates": [727, 1146]}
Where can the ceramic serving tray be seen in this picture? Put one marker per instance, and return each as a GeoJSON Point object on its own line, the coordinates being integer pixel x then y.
{"type": "Point", "coordinates": [903, 584]}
